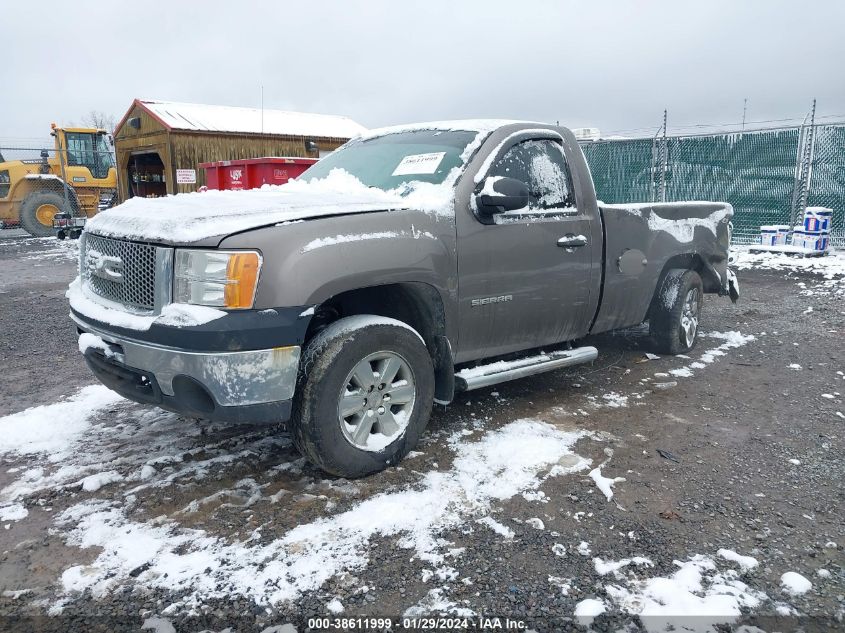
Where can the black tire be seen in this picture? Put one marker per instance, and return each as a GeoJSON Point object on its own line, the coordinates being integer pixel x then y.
{"type": "Point", "coordinates": [325, 368]}
{"type": "Point", "coordinates": [29, 210]}
{"type": "Point", "coordinates": [669, 326]}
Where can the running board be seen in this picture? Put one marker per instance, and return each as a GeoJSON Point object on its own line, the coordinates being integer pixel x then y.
{"type": "Point", "coordinates": [502, 371]}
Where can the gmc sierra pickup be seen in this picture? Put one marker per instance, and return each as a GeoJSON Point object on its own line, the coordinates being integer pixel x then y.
{"type": "Point", "coordinates": [412, 263]}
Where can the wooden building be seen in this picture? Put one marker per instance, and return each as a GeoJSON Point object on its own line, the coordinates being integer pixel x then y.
{"type": "Point", "coordinates": [159, 144]}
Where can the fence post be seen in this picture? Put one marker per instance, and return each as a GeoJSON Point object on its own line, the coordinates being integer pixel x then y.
{"type": "Point", "coordinates": [659, 157]}
{"type": "Point", "coordinates": [803, 168]}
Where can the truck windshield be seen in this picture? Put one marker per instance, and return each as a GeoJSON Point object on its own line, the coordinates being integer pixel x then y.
{"type": "Point", "coordinates": [389, 161]}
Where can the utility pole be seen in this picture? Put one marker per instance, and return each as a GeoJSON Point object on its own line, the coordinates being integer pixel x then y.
{"type": "Point", "coordinates": [744, 110]}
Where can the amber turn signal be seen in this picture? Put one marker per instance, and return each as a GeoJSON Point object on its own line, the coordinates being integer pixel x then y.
{"type": "Point", "coordinates": [241, 280]}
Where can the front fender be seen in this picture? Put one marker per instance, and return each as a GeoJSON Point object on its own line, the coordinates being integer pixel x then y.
{"type": "Point", "coordinates": [308, 262]}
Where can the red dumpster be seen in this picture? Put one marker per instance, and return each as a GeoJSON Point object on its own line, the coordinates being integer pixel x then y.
{"type": "Point", "coordinates": [251, 173]}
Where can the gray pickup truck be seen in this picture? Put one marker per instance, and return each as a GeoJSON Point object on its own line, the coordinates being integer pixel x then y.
{"type": "Point", "coordinates": [413, 263]}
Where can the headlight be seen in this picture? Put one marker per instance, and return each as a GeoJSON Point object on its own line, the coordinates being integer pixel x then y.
{"type": "Point", "coordinates": [222, 279]}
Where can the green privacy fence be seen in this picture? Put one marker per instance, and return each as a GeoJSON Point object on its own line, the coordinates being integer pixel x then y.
{"type": "Point", "coordinates": [754, 171]}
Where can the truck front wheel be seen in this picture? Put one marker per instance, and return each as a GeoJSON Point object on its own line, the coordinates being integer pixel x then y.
{"type": "Point", "coordinates": [364, 396]}
{"type": "Point", "coordinates": [676, 312]}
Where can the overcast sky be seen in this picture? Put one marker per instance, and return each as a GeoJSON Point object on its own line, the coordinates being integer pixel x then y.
{"type": "Point", "coordinates": [612, 65]}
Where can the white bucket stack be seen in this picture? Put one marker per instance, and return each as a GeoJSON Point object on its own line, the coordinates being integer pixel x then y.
{"type": "Point", "coordinates": [814, 233]}
{"type": "Point", "coordinates": [774, 234]}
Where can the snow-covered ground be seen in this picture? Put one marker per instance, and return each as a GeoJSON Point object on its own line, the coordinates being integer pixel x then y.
{"type": "Point", "coordinates": [146, 499]}
{"type": "Point", "coordinates": [831, 266]}
{"type": "Point", "coordinates": [46, 248]}
{"type": "Point", "coordinates": [112, 460]}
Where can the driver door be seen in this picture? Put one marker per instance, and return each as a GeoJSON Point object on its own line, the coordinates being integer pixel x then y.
{"type": "Point", "coordinates": [519, 288]}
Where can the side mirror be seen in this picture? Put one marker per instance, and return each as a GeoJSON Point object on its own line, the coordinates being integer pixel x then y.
{"type": "Point", "coordinates": [499, 194]}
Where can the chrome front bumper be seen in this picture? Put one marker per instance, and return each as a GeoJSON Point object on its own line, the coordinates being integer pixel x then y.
{"type": "Point", "coordinates": [232, 379]}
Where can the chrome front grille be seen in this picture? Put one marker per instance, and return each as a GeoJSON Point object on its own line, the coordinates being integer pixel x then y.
{"type": "Point", "coordinates": [120, 271]}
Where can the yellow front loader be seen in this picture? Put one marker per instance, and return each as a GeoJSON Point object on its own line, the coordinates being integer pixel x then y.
{"type": "Point", "coordinates": [77, 178]}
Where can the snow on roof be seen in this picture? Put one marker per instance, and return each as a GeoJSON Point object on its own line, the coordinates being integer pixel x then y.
{"type": "Point", "coordinates": [217, 118]}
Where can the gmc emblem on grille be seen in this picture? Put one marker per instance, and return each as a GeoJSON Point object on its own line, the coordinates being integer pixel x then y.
{"type": "Point", "coordinates": [104, 266]}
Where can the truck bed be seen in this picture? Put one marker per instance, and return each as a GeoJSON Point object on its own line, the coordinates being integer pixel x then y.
{"type": "Point", "coordinates": [643, 241]}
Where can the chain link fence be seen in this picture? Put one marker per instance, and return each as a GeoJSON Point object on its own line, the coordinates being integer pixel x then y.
{"type": "Point", "coordinates": [755, 171]}
{"type": "Point", "coordinates": [83, 150]}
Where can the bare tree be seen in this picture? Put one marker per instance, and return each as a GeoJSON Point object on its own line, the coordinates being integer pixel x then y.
{"type": "Point", "coordinates": [100, 120]}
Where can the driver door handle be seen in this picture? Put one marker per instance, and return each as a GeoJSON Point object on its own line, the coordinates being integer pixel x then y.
{"type": "Point", "coordinates": [572, 241]}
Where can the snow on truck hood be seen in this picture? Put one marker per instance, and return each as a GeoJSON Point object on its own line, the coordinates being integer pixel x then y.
{"type": "Point", "coordinates": [191, 217]}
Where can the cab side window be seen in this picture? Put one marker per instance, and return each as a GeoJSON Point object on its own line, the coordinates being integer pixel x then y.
{"type": "Point", "coordinates": [541, 165]}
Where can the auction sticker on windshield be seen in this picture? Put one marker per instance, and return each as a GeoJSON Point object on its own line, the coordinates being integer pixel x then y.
{"type": "Point", "coordinates": [419, 164]}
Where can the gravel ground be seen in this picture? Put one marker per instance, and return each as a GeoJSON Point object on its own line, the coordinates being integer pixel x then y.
{"type": "Point", "coordinates": [744, 455]}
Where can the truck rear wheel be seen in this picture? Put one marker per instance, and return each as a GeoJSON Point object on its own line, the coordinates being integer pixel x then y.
{"type": "Point", "coordinates": [676, 312]}
{"type": "Point", "coordinates": [365, 392]}
{"type": "Point", "coordinates": [38, 209]}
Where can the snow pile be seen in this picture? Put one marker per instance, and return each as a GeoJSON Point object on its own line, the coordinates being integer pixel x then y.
{"type": "Point", "coordinates": [92, 341]}
{"type": "Point", "coordinates": [190, 217]}
{"type": "Point", "coordinates": [55, 429]}
{"type": "Point", "coordinates": [795, 584]}
{"type": "Point", "coordinates": [603, 567]}
{"type": "Point", "coordinates": [697, 589]}
{"type": "Point", "coordinates": [732, 340]}
{"type": "Point", "coordinates": [96, 438]}
{"type": "Point", "coordinates": [13, 512]}
{"type": "Point", "coordinates": [588, 609]}
{"type": "Point", "coordinates": [92, 483]}
{"type": "Point", "coordinates": [497, 527]}
{"type": "Point", "coordinates": [335, 606]}
{"type": "Point", "coordinates": [831, 267]}
{"type": "Point", "coordinates": [515, 459]}
{"type": "Point", "coordinates": [746, 563]}
{"type": "Point", "coordinates": [604, 483]}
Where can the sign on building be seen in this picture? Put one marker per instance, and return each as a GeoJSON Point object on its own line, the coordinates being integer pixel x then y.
{"type": "Point", "coordinates": [186, 176]}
